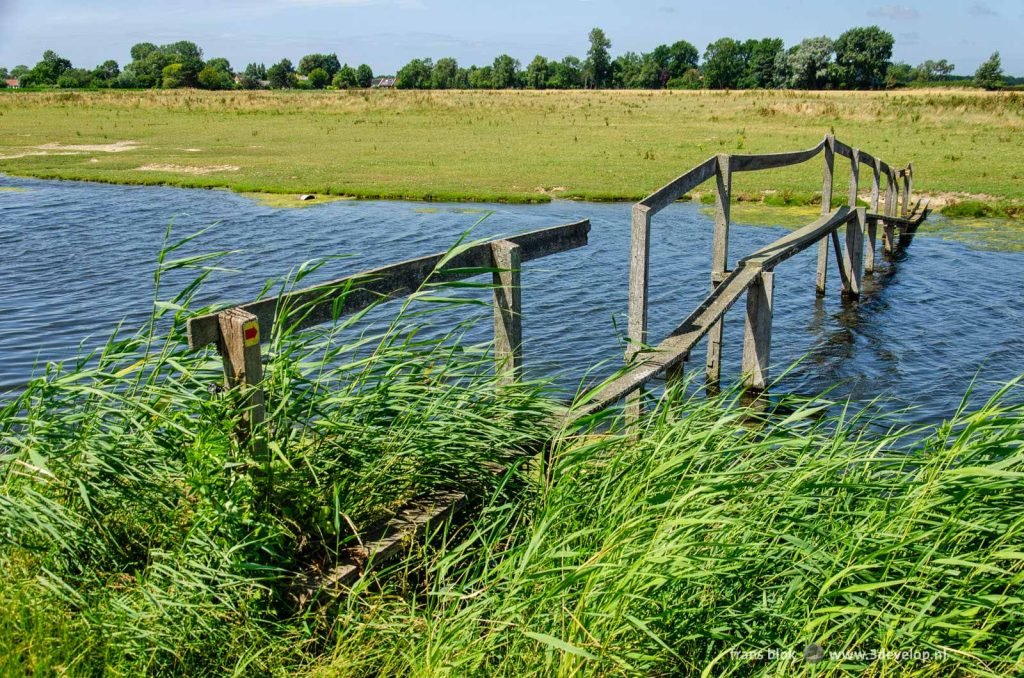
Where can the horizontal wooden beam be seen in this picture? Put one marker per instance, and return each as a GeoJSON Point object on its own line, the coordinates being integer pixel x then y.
{"type": "Point", "coordinates": [671, 352]}
{"type": "Point", "coordinates": [793, 243]}
{"type": "Point", "coordinates": [764, 161]}
{"type": "Point", "coordinates": [330, 300]}
{"type": "Point", "coordinates": [678, 187]}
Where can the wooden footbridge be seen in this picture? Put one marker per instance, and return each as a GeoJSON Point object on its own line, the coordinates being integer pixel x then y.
{"type": "Point", "coordinates": [238, 332]}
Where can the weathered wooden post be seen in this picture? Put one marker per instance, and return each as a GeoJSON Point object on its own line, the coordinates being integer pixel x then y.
{"type": "Point", "coordinates": [826, 207]}
{"type": "Point", "coordinates": [508, 319]}
{"type": "Point", "coordinates": [239, 347]}
{"type": "Point", "coordinates": [719, 262]}
{"type": "Point", "coordinates": [906, 192]}
{"type": "Point", "coordinates": [872, 232]}
{"type": "Point", "coordinates": [757, 338]}
{"type": "Point", "coordinates": [639, 275]}
{"type": "Point", "coordinates": [891, 198]}
{"type": "Point", "coordinates": [853, 256]}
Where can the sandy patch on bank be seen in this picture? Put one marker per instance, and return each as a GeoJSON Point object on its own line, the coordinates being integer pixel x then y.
{"type": "Point", "coordinates": [28, 154]}
{"type": "Point", "coordinates": [116, 147]}
{"type": "Point", "coordinates": [54, 148]}
{"type": "Point", "coordinates": [189, 169]}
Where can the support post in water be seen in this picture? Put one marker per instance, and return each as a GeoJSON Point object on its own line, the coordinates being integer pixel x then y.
{"type": "Point", "coordinates": [243, 373]}
{"type": "Point", "coordinates": [872, 232]}
{"type": "Point", "coordinates": [508, 319]}
{"type": "Point", "coordinates": [639, 274]}
{"type": "Point", "coordinates": [905, 212]}
{"type": "Point", "coordinates": [892, 192]}
{"type": "Point", "coordinates": [853, 258]}
{"type": "Point", "coordinates": [719, 263]}
{"type": "Point", "coordinates": [757, 338]}
{"type": "Point", "coordinates": [826, 207]}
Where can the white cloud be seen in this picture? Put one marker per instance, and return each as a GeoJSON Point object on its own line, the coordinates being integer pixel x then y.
{"type": "Point", "coordinates": [899, 12]}
{"type": "Point", "coordinates": [982, 9]}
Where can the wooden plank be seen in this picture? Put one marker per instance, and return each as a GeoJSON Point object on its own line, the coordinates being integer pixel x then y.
{"type": "Point", "coordinates": [872, 229]}
{"type": "Point", "coordinates": [719, 262]}
{"type": "Point", "coordinates": [841, 149]}
{"type": "Point", "coordinates": [639, 276]}
{"type": "Point", "coordinates": [906, 194]}
{"type": "Point", "coordinates": [757, 338]}
{"type": "Point", "coordinates": [764, 161]}
{"type": "Point", "coordinates": [678, 187]}
{"type": "Point", "coordinates": [508, 310]}
{"type": "Point", "coordinates": [826, 208]}
{"type": "Point", "coordinates": [793, 243]}
{"type": "Point", "coordinates": [330, 300]}
{"type": "Point", "coordinates": [853, 258]}
{"type": "Point", "coordinates": [854, 178]}
{"type": "Point", "coordinates": [674, 349]}
{"type": "Point", "coordinates": [239, 347]}
{"type": "Point", "coordinates": [386, 544]}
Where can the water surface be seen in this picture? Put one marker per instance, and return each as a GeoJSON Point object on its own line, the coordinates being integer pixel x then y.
{"type": "Point", "coordinates": [77, 258]}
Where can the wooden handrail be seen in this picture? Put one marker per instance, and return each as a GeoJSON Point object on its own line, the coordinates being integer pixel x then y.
{"type": "Point", "coordinates": [330, 300]}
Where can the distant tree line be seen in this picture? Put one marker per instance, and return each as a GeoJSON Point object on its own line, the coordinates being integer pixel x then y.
{"type": "Point", "coordinates": [181, 64]}
{"type": "Point", "coordinates": [860, 58]}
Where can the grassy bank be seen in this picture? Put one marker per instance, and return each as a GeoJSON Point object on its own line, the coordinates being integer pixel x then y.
{"type": "Point", "coordinates": [499, 146]}
{"type": "Point", "coordinates": [135, 540]}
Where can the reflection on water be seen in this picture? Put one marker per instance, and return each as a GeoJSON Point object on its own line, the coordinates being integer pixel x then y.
{"type": "Point", "coordinates": [76, 258]}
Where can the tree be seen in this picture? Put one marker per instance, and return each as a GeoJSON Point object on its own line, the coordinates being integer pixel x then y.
{"type": "Point", "coordinates": [256, 71]}
{"type": "Point", "coordinates": [680, 58]}
{"type": "Point", "coordinates": [106, 72]}
{"type": "Point", "coordinates": [724, 64]}
{"type": "Point", "coordinates": [863, 56]}
{"type": "Point", "coordinates": [809, 63]}
{"type": "Point", "coordinates": [762, 60]}
{"type": "Point", "coordinates": [345, 78]}
{"type": "Point", "coordinates": [415, 74]}
{"type": "Point", "coordinates": [214, 78]}
{"type": "Point", "coordinates": [598, 67]}
{"type": "Point", "coordinates": [4, 74]}
{"type": "Point", "coordinates": [74, 78]}
{"type": "Point", "coordinates": [311, 62]}
{"type": "Point", "coordinates": [627, 71]}
{"type": "Point", "coordinates": [364, 75]}
{"type": "Point", "coordinates": [566, 74]}
{"type": "Point", "coordinates": [319, 78]}
{"type": "Point", "coordinates": [505, 72]}
{"type": "Point", "coordinates": [480, 78]}
{"type": "Point", "coordinates": [142, 50]}
{"type": "Point", "coordinates": [990, 74]}
{"type": "Point", "coordinates": [281, 75]}
{"type": "Point", "coordinates": [172, 76]}
{"type": "Point", "coordinates": [253, 76]}
{"type": "Point", "coordinates": [47, 71]}
{"type": "Point", "coordinates": [900, 75]}
{"type": "Point", "coordinates": [537, 73]}
{"type": "Point", "coordinates": [20, 71]}
{"type": "Point", "coordinates": [445, 74]}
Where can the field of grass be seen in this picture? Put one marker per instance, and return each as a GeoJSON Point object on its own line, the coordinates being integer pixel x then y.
{"type": "Point", "coordinates": [135, 541]}
{"type": "Point", "coordinates": [501, 145]}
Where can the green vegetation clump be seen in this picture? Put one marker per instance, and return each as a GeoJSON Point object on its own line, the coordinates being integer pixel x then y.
{"type": "Point", "coordinates": [140, 538]}
{"type": "Point", "coordinates": [976, 209]}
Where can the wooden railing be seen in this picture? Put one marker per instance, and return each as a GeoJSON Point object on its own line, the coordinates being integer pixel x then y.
{"type": "Point", "coordinates": [238, 332]}
{"type": "Point", "coordinates": [754, 274]}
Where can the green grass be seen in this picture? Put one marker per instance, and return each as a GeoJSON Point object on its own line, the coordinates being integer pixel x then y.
{"type": "Point", "coordinates": [135, 540]}
{"type": "Point", "coordinates": [516, 146]}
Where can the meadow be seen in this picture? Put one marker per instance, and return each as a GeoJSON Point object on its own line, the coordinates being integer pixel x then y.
{"type": "Point", "coordinates": [505, 145]}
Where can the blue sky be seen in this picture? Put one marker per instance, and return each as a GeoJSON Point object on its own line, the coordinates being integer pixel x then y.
{"type": "Point", "coordinates": [388, 33]}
